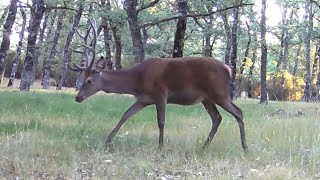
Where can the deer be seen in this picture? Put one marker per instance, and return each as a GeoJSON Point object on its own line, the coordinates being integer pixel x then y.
{"type": "Point", "coordinates": [161, 81]}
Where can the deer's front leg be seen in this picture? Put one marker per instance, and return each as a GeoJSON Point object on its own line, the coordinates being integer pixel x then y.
{"type": "Point", "coordinates": [161, 113]}
{"type": "Point", "coordinates": [136, 107]}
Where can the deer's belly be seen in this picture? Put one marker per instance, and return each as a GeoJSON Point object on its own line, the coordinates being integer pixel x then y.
{"type": "Point", "coordinates": [184, 98]}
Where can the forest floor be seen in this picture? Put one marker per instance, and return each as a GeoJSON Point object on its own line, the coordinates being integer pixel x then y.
{"type": "Point", "coordinates": [47, 135]}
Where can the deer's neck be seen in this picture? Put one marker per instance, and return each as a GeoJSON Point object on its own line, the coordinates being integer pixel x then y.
{"type": "Point", "coordinates": [120, 82]}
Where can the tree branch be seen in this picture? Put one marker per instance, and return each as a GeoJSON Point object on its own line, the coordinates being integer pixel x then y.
{"type": "Point", "coordinates": [193, 15]}
{"type": "Point", "coordinates": [61, 7]}
{"type": "Point", "coordinates": [28, 5]}
{"type": "Point", "coordinates": [197, 22]}
{"type": "Point", "coordinates": [315, 2]}
{"type": "Point", "coordinates": [152, 3]}
{"type": "Point", "coordinates": [76, 51]}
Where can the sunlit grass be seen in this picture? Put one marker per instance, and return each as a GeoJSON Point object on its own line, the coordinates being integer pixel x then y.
{"type": "Point", "coordinates": [46, 133]}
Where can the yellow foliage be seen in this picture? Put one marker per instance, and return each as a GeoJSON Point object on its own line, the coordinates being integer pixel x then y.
{"type": "Point", "coordinates": [291, 88]}
{"type": "Point", "coordinates": [300, 81]}
{"type": "Point", "coordinates": [153, 10]}
{"type": "Point", "coordinates": [249, 62]}
{"type": "Point", "coordinates": [274, 62]}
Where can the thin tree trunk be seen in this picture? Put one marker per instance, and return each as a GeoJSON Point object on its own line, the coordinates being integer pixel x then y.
{"type": "Point", "coordinates": [308, 18]}
{"type": "Point", "coordinates": [180, 30]}
{"type": "Point", "coordinates": [106, 24]}
{"type": "Point", "coordinates": [4, 15]}
{"type": "Point", "coordinates": [107, 40]}
{"type": "Point", "coordinates": [318, 85]}
{"type": "Point", "coordinates": [137, 45]}
{"type": "Point", "coordinates": [244, 61]}
{"type": "Point", "coordinates": [80, 75]}
{"type": "Point", "coordinates": [285, 51]}
{"type": "Point", "coordinates": [118, 45]}
{"type": "Point", "coordinates": [296, 60]}
{"type": "Point", "coordinates": [106, 29]}
{"type": "Point", "coordinates": [85, 55]}
{"type": "Point", "coordinates": [145, 37]}
{"type": "Point", "coordinates": [47, 44]}
{"type": "Point", "coordinates": [39, 45]}
{"type": "Point", "coordinates": [263, 71]}
{"type": "Point", "coordinates": [280, 58]}
{"type": "Point", "coordinates": [17, 57]}
{"type": "Point", "coordinates": [234, 50]}
{"type": "Point", "coordinates": [284, 55]}
{"type": "Point", "coordinates": [254, 57]}
{"type": "Point", "coordinates": [66, 52]}
{"type": "Point", "coordinates": [286, 43]}
{"type": "Point", "coordinates": [207, 46]}
{"type": "Point", "coordinates": [315, 62]}
{"type": "Point", "coordinates": [48, 64]}
{"type": "Point", "coordinates": [7, 29]}
{"type": "Point", "coordinates": [228, 38]}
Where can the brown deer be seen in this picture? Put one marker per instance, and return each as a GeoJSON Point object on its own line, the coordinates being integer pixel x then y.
{"type": "Point", "coordinates": [159, 81]}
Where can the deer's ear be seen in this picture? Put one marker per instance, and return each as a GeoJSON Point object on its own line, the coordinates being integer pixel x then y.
{"type": "Point", "coordinates": [100, 65]}
{"type": "Point", "coordinates": [95, 71]}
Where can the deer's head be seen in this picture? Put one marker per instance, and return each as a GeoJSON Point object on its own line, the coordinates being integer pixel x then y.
{"type": "Point", "coordinates": [92, 80]}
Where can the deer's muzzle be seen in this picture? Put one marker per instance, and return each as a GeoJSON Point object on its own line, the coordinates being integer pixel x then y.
{"type": "Point", "coordinates": [79, 99]}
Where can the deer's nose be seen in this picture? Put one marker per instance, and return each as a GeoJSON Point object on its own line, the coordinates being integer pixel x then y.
{"type": "Point", "coordinates": [79, 99]}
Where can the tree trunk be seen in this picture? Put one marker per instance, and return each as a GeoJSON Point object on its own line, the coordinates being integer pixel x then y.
{"type": "Point", "coordinates": [47, 44]}
{"type": "Point", "coordinates": [318, 85]}
{"type": "Point", "coordinates": [207, 46]}
{"type": "Point", "coordinates": [228, 38]}
{"type": "Point", "coordinates": [244, 61]}
{"type": "Point", "coordinates": [181, 29]}
{"type": "Point", "coordinates": [39, 45]}
{"type": "Point", "coordinates": [4, 15]}
{"type": "Point", "coordinates": [107, 40]}
{"type": "Point", "coordinates": [282, 37]}
{"type": "Point", "coordinates": [118, 45]}
{"type": "Point", "coordinates": [106, 29]}
{"type": "Point", "coordinates": [4, 47]}
{"type": "Point", "coordinates": [48, 64]}
{"type": "Point", "coordinates": [234, 51]}
{"type": "Point", "coordinates": [37, 11]}
{"type": "Point", "coordinates": [207, 34]}
{"type": "Point", "coordinates": [254, 57]}
{"type": "Point", "coordinates": [137, 45]}
{"type": "Point", "coordinates": [17, 57]}
{"type": "Point", "coordinates": [286, 43]}
{"type": "Point", "coordinates": [296, 60]}
{"type": "Point", "coordinates": [284, 55]}
{"type": "Point", "coordinates": [66, 52]}
{"type": "Point", "coordinates": [308, 18]}
{"type": "Point", "coordinates": [80, 75]}
{"type": "Point", "coordinates": [85, 54]}
{"type": "Point", "coordinates": [315, 61]}
{"type": "Point", "coordinates": [285, 51]}
{"type": "Point", "coordinates": [263, 71]}
{"type": "Point", "coordinates": [145, 37]}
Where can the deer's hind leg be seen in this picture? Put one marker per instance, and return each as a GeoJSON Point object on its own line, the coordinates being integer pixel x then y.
{"type": "Point", "coordinates": [215, 118]}
{"type": "Point", "coordinates": [236, 112]}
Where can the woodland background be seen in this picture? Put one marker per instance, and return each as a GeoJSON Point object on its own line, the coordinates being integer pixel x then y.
{"type": "Point", "coordinates": [273, 57]}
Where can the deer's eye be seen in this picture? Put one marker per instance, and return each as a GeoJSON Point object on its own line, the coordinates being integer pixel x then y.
{"type": "Point", "coordinates": [89, 81]}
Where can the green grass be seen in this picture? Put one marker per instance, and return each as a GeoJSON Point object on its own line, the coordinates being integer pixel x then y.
{"type": "Point", "coordinates": [46, 134]}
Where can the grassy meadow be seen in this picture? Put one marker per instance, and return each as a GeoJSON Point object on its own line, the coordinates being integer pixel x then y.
{"type": "Point", "coordinates": [47, 135]}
